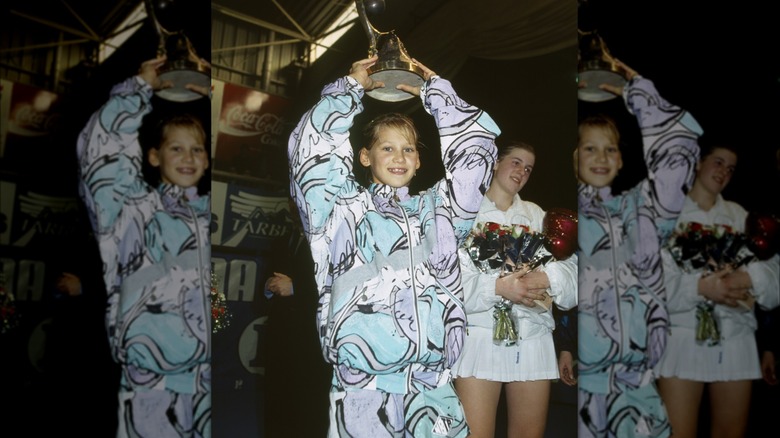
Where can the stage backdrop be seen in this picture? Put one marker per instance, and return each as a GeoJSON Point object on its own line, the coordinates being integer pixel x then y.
{"type": "Point", "coordinates": [43, 232]}
{"type": "Point", "coordinates": [249, 212]}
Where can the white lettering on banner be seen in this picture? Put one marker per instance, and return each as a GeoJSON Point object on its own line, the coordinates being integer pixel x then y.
{"type": "Point", "coordinates": [250, 346]}
{"type": "Point", "coordinates": [24, 279]}
{"type": "Point", "coordinates": [241, 276]}
{"type": "Point", "coordinates": [29, 122]}
{"type": "Point", "coordinates": [261, 229]}
{"type": "Point", "coordinates": [48, 228]}
{"type": "Point", "coordinates": [243, 123]}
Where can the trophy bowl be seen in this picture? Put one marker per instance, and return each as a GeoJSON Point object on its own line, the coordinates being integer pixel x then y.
{"type": "Point", "coordinates": [180, 77]}
{"type": "Point", "coordinates": [393, 72]}
{"type": "Point", "coordinates": [595, 74]}
{"type": "Point", "coordinates": [182, 67]}
{"type": "Point", "coordinates": [596, 66]}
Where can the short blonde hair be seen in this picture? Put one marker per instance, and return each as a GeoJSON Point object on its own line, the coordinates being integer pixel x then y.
{"type": "Point", "coordinates": [601, 121]}
{"type": "Point", "coordinates": [598, 121]}
{"type": "Point", "coordinates": [397, 121]}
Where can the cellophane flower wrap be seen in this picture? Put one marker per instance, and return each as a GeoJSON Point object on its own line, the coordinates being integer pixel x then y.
{"type": "Point", "coordinates": [9, 315]}
{"type": "Point", "coordinates": [220, 316]}
{"type": "Point", "coordinates": [502, 249]}
{"type": "Point", "coordinates": [706, 249]}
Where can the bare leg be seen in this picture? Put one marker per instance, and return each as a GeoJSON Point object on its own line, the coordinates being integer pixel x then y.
{"type": "Point", "coordinates": [730, 404]}
{"type": "Point", "coordinates": [682, 399]}
{"type": "Point", "coordinates": [527, 406]}
{"type": "Point", "coordinates": [480, 402]}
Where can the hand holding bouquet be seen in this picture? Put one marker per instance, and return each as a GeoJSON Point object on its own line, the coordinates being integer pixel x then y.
{"type": "Point", "coordinates": [509, 249]}
{"type": "Point", "coordinates": [712, 249]}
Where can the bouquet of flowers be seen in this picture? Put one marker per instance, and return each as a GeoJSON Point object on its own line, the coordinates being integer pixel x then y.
{"type": "Point", "coordinates": [696, 247]}
{"type": "Point", "coordinates": [9, 317]}
{"type": "Point", "coordinates": [506, 249]}
{"type": "Point", "coordinates": [220, 317]}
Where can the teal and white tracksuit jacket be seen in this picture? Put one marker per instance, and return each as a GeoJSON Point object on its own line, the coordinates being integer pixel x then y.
{"type": "Point", "coordinates": [390, 316]}
{"type": "Point", "coordinates": [154, 244]}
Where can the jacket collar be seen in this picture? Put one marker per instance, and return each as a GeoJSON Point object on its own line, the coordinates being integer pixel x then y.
{"type": "Point", "coordinates": [590, 198]}
{"type": "Point", "coordinates": [386, 191]}
{"type": "Point", "coordinates": [178, 198]}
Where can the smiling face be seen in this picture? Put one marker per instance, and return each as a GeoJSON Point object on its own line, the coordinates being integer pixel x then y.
{"type": "Point", "coordinates": [714, 171]}
{"type": "Point", "coordinates": [598, 156]}
{"type": "Point", "coordinates": [393, 157]}
{"type": "Point", "coordinates": [513, 170]}
{"type": "Point", "coordinates": [181, 157]}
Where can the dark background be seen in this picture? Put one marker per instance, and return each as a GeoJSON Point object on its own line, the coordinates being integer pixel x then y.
{"type": "Point", "coordinates": [719, 61]}
{"type": "Point", "coordinates": [716, 60]}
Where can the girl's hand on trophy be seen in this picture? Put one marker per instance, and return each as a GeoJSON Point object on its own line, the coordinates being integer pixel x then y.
{"type": "Point", "coordinates": [427, 75]}
{"type": "Point", "coordinates": [359, 72]}
{"type": "Point", "coordinates": [203, 91]}
{"type": "Point", "coordinates": [148, 72]}
{"type": "Point", "coordinates": [409, 89]}
{"type": "Point", "coordinates": [628, 73]}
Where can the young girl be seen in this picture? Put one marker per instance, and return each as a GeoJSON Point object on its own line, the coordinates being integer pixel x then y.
{"type": "Point", "coordinates": [726, 365]}
{"type": "Point", "coordinates": [156, 259]}
{"type": "Point", "coordinates": [390, 314]}
{"type": "Point", "coordinates": [525, 369]}
{"type": "Point", "coordinates": [623, 322]}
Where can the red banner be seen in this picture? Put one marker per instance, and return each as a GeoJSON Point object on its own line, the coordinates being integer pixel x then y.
{"type": "Point", "coordinates": [250, 133]}
{"type": "Point", "coordinates": [30, 119]}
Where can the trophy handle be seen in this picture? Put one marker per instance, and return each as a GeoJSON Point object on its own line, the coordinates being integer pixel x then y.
{"type": "Point", "coordinates": [370, 30]}
{"type": "Point", "coordinates": [162, 33]}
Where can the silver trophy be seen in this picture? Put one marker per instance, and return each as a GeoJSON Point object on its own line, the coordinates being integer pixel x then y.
{"type": "Point", "coordinates": [596, 66]}
{"type": "Point", "coordinates": [394, 65]}
{"type": "Point", "coordinates": [183, 65]}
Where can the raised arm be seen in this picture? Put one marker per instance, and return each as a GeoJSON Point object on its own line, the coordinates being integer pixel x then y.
{"type": "Point", "coordinates": [110, 157]}
{"type": "Point", "coordinates": [670, 143]}
{"type": "Point", "coordinates": [467, 135]}
{"type": "Point", "coordinates": [319, 150]}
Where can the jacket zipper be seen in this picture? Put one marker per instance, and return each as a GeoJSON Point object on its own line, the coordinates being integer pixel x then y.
{"type": "Point", "coordinates": [617, 291]}
{"type": "Point", "coordinates": [202, 285]}
{"type": "Point", "coordinates": [411, 276]}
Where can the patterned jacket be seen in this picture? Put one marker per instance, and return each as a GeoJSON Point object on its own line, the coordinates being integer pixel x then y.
{"type": "Point", "coordinates": [390, 312]}
{"type": "Point", "coordinates": [623, 321]}
{"type": "Point", "coordinates": [155, 249]}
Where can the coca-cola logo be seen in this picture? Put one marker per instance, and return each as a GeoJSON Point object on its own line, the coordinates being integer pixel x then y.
{"type": "Point", "coordinates": [242, 123]}
{"type": "Point", "coordinates": [27, 121]}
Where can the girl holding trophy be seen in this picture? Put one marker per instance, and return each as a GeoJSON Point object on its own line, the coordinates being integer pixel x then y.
{"type": "Point", "coordinates": [390, 314]}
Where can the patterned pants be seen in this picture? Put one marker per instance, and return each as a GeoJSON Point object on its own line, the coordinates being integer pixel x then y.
{"type": "Point", "coordinates": [631, 412]}
{"type": "Point", "coordinates": [366, 413]}
{"type": "Point", "coordinates": [164, 413]}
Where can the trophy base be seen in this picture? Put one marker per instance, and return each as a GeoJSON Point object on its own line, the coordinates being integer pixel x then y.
{"type": "Point", "coordinates": [180, 78]}
{"type": "Point", "coordinates": [594, 78]}
{"type": "Point", "coordinates": [393, 73]}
